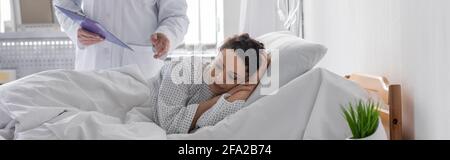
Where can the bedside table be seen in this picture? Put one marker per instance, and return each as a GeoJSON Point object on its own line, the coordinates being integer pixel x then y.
{"type": "Point", "coordinates": [7, 76]}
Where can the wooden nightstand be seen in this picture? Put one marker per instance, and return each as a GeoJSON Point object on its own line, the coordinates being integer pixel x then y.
{"type": "Point", "coordinates": [7, 76]}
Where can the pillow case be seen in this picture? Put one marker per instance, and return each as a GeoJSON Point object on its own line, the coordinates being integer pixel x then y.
{"type": "Point", "coordinates": [296, 57]}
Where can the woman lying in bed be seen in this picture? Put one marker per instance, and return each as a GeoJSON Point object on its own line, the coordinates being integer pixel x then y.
{"type": "Point", "coordinates": [230, 80]}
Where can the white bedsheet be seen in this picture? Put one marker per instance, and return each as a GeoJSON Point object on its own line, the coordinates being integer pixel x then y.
{"type": "Point", "coordinates": [112, 105]}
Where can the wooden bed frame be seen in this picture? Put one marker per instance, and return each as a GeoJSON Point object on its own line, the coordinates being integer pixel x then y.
{"type": "Point", "coordinates": [391, 95]}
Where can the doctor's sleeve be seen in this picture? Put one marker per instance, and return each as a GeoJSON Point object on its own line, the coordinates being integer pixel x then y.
{"type": "Point", "coordinates": [173, 21]}
{"type": "Point", "coordinates": [69, 26]}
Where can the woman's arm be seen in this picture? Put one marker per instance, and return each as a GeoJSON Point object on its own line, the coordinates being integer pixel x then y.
{"type": "Point", "coordinates": [241, 92]}
{"type": "Point", "coordinates": [219, 111]}
{"type": "Point", "coordinates": [202, 108]}
{"type": "Point", "coordinates": [218, 108]}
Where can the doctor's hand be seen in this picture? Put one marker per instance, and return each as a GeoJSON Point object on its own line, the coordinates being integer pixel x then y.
{"type": "Point", "coordinates": [87, 38]}
{"type": "Point", "coordinates": [161, 44]}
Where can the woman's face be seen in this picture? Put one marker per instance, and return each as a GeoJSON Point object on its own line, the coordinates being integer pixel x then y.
{"type": "Point", "coordinates": [228, 71]}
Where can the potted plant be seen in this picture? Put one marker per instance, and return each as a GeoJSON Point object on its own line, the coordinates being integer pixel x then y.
{"type": "Point", "coordinates": [363, 118]}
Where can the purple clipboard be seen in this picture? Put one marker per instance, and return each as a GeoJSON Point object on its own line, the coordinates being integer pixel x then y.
{"type": "Point", "coordinates": [94, 27]}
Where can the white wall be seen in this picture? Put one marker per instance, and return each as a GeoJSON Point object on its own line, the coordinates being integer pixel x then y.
{"type": "Point", "coordinates": [405, 40]}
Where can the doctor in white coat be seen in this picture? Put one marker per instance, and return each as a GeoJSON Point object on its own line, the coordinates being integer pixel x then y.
{"type": "Point", "coordinates": [143, 24]}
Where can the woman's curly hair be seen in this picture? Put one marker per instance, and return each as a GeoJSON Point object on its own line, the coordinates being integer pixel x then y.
{"type": "Point", "coordinates": [244, 45]}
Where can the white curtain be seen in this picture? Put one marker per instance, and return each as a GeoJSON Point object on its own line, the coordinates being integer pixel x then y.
{"type": "Point", "coordinates": [261, 16]}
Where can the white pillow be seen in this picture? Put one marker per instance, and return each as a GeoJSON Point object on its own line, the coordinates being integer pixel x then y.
{"type": "Point", "coordinates": [297, 56]}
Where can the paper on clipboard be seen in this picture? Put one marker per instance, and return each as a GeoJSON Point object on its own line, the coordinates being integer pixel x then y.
{"type": "Point", "coordinates": [94, 27]}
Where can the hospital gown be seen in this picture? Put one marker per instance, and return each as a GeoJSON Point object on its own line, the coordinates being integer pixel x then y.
{"type": "Point", "coordinates": [176, 104]}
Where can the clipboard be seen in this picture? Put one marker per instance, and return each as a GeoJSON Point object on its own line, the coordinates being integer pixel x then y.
{"type": "Point", "coordinates": [94, 27]}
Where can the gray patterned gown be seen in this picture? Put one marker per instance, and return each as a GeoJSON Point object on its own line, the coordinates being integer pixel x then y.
{"type": "Point", "coordinates": [176, 104]}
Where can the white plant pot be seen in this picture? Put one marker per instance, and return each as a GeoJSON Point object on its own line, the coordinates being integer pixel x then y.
{"type": "Point", "coordinates": [380, 134]}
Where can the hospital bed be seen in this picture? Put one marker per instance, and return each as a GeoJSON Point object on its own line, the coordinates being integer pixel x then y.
{"type": "Point", "coordinates": [307, 105]}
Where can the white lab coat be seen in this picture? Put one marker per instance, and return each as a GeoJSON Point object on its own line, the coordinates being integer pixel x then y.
{"type": "Point", "coordinates": [133, 21]}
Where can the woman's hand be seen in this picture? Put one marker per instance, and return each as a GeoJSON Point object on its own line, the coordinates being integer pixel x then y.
{"type": "Point", "coordinates": [241, 92]}
{"type": "Point", "coordinates": [87, 38]}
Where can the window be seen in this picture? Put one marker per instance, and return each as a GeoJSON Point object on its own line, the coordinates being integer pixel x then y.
{"type": "Point", "coordinates": [5, 16]}
{"type": "Point", "coordinates": [36, 12]}
{"type": "Point", "coordinates": [27, 15]}
{"type": "Point", "coordinates": [291, 14]}
{"type": "Point", "coordinates": [206, 27]}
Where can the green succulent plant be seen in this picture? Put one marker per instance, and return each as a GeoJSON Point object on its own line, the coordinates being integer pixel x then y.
{"type": "Point", "coordinates": [362, 118]}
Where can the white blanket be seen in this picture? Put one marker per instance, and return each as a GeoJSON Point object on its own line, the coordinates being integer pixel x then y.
{"type": "Point", "coordinates": [65, 104]}
{"type": "Point", "coordinates": [112, 105]}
